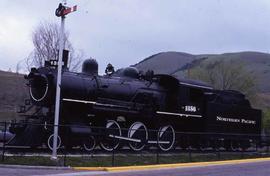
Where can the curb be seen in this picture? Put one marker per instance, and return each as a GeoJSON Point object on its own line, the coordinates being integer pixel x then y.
{"type": "Point", "coordinates": [177, 165]}
{"type": "Point", "coordinates": [35, 167]}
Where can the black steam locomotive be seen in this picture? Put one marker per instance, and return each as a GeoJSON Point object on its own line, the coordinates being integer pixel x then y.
{"type": "Point", "coordinates": [136, 109]}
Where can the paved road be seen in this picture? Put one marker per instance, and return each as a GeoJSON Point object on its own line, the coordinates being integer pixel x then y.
{"type": "Point", "coordinates": [245, 169]}
{"type": "Point", "coordinates": [28, 171]}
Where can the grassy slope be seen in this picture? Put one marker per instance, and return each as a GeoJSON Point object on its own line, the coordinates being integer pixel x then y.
{"type": "Point", "coordinates": [166, 62]}
{"type": "Point", "coordinates": [177, 64]}
{"type": "Point", "coordinates": [13, 91]}
{"type": "Point", "coordinates": [256, 63]}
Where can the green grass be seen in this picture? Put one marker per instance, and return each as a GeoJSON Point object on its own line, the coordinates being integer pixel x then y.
{"type": "Point", "coordinates": [23, 160]}
{"type": "Point", "coordinates": [7, 116]}
{"type": "Point", "coordinates": [125, 160]}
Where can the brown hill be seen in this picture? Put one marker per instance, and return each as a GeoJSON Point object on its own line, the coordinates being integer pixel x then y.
{"type": "Point", "coordinates": [166, 62]}
{"type": "Point", "coordinates": [13, 92]}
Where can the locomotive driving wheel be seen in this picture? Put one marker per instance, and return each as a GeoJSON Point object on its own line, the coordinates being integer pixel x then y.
{"type": "Point", "coordinates": [138, 134]}
{"type": "Point", "coordinates": [203, 145]}
{"type": "Point", "coordinates": [166, 138]}
{"type": "Point", "coordinates": [234, 145]}
{"type": "Point", "coordinates": [50, 142]}
{"type": "Point", "coordinates": [89, 144]}
{"type": "Point", "coordinates": [110, 142]}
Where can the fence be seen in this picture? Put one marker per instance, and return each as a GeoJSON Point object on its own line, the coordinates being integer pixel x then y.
{"type": "Point", "coordinates": [84, 143]}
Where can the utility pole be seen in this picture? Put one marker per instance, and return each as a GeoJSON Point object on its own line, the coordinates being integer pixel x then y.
{"type": "Point", "coordinates": [61, 11]}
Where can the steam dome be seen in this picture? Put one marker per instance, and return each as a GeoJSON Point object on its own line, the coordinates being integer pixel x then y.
{"type": "Point", "coordinates": [131, 72]}
{"type": "Point", "coordinates": [90, 66]}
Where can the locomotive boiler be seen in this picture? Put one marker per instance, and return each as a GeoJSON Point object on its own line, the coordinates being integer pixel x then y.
{"type": "Point", "coordinates": [130, 108]}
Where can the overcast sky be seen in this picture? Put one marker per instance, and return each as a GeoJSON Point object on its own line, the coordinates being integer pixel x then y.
{"type": "Point", "coordinates": [123, 32]}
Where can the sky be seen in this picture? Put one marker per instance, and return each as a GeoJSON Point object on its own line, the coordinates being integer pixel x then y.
{"type": "Point", "coordinates": [123, 32]}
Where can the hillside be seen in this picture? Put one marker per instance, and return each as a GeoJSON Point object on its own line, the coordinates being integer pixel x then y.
{"type": "Point", "coordinates": [177, 64]}
{"type": "Point", "coordinates": [166, 62]}
{"type": "Point", "coordinates": [13, 92]}
{"type": "Point", "coordinates": [180, 64]}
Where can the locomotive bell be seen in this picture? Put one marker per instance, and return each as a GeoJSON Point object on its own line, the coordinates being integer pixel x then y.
{"type": "Point", "coordinates": [90, 66]}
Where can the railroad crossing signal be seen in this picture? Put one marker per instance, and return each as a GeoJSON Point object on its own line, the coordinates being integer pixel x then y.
{"type": "Point", "coordinates": [69, 10]}
{"type": "Point", "coordinates": [61, 11]}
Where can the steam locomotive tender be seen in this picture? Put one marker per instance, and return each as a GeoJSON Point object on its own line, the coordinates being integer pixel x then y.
{"type": "Point", "coordinates": [126, 107]}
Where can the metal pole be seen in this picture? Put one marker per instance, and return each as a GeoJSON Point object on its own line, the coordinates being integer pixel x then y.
{"type": "Point", "coordinates": [113, 159]}
{"type": "Point", "coordinates": [4, 142]}
{"type": "Point", "coordinates": [217, 148]}
{"type": "Point", "coordinates": [58, 89]}
{"type": "Point", "coordinates": [189, 149]}
{"type": "Point", "coordinates": [157, 154]}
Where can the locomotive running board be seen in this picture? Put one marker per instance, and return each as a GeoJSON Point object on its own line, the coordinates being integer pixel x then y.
{"type": "Point", "coordinates": [178, 114]}
{"type": "Point", "coordinates": [138, 140]}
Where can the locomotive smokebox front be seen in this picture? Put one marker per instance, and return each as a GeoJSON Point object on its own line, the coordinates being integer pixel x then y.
{"type": "Point", "coordinates": [74, 86]}
{"type": "Point", "coordinates": [39, 86]}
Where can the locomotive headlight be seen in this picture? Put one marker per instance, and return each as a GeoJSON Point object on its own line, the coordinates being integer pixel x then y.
{"type": "Point", "coordinates": [38, 87]}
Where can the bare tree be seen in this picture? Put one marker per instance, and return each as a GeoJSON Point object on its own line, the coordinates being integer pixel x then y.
{"type": "Point", "coordinates": [226, 74]}
{"type": "Point", "coordinates": [46, 38]}
{"type": "Point", "coordinates": [18, 67]}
